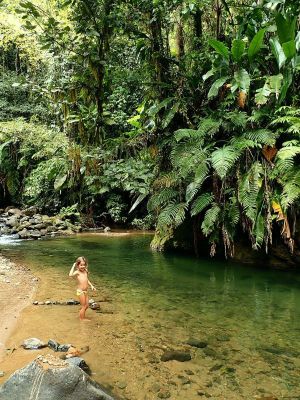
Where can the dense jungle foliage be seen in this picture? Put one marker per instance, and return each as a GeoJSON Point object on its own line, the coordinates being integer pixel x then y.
{"type": "Point", "coordinates": [155, 113]}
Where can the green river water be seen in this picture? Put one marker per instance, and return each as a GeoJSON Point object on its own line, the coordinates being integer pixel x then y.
{"type": "Point", "coordinates": [249, 317]}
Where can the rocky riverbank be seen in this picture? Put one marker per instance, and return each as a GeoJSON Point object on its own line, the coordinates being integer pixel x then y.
{"type": "Point", "coordinates": [29, 224]}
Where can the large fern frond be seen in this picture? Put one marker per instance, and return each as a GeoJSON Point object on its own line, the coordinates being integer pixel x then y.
{"type": "Point", "coordinates": [160, 199]}
{"type": "Point", "coordinates": [223, 159]}
{"type": "Point", "coordinates": [258, 232]}
{"type": "Point", "coordinates": [262, 136]}
{"type": "Point", "coordinates": [248, 188]}
{"type": "Point", "coordinates": [210, 219]}
{"type": "Point", "coordinates": [208, 127]}
{"type": "Point", "coordinates": [203, 201]}
{"type": "Point", "coordinates": [172, 215]}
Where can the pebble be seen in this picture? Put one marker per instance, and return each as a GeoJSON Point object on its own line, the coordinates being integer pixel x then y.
{"type": "Point", "coordinates": [122, 385]}
{"type": "Point", "coordinates": [164, 394]}
{"type": "Point", "coordinates": [2, 374]}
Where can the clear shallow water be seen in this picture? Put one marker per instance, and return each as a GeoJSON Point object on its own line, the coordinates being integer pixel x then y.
{"type": "Point", "coordinates": [249, 317]}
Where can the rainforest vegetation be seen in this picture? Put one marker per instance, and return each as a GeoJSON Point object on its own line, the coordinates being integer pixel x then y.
{"type": "Point", "coordinates": [155, 114]}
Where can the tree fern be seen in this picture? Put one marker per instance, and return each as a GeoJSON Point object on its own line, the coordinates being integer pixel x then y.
{"type": "Point", "coordinates": [203, 201]}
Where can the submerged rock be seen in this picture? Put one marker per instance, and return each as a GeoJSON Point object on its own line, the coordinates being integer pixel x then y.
{"type": "Point", "coordinates": [49, 378]}
{"type": "Point", "coordinates": [176, 355]}
{"type": "Point", "coordinates": [200, 344]}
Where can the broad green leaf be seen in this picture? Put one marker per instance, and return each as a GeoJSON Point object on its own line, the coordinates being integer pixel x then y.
{"type": "Point", "coordinates": [278, 52]}
{"type": "Point", "coordinates": [297, 41]}
{"type": "Point", "coordinates": [138, 201]}
{"type": "Point", "coordinates": [59, 181]}
{"type": "Point", "coordinates": [289, 48]}
{"type": "Point", "coordinates": [242, 79]}
{"type": "Point", "coordinates": [275, 84]}
{"type": "Point", "coordinates": [285, 28]}
{"type": "Point", "coordinates": [237, 49]}
{"type": "Point", "coordinates": [208, 74]}
{"type": "Point", "coordinates": [170, 115]}
{"type": "Point", "coordinates": [153, 110]}
{"type": "Point", "coordinates": [220, 48]}
{"type": "Point", "coordinates": [287, 81]}
{"type": "Point", "coordinates": [262, 94]}
{"type": "Point", "coordinates": [214, 90]}
{"type": "Point", "coordinates": [256, 43]}
{"type": "Point", "coordinates": [273, 4]}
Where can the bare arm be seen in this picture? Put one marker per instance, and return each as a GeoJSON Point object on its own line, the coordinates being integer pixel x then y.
{"type": "Point", "coordinates": [91, 285]}
{"type": "Point", "coordinates": [72, 272]}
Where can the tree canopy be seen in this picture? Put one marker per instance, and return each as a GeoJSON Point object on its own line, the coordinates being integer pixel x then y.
{"type": "Point", "coordinates": [158, 113]}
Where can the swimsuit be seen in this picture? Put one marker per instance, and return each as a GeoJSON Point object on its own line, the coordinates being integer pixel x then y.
{"type": "Point", "coordinates": [79, 292]}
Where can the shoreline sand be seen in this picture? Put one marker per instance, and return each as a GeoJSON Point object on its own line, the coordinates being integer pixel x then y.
{"type": "Point", "coordinates": [17, 289]}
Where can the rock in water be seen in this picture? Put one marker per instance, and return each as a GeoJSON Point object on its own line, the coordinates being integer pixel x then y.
{"type": "Point", "coordinates": [176, 355]}
{"type": "Point", "coordinates": [49, 378]}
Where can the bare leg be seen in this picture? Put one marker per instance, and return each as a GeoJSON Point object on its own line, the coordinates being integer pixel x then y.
{"type": "Point", "coordinates": [84, 302]}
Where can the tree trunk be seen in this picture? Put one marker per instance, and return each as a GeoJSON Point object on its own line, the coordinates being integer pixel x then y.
{"type": "Point", "coordinates": [198, 28]}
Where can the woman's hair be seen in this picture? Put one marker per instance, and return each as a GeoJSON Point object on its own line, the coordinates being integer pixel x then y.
{"type": "Point", "coordinates": [81, 259]}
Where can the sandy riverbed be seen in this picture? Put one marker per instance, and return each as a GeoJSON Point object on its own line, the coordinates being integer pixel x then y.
{"type": "Point", "coordinates": [17, 287]}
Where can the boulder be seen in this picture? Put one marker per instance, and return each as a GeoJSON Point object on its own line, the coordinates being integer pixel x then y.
{"type": "Point", "coordinates": [24, 234]}
{"type": "Point", "coordinates": [14, 211]}
{"type": "Point", "coordinates": [79, 362]}
{"type": "Point", "coordinates": [49, 378]}
{"type": "Point", "coordinates": [35, 234]}
{"type": "Point", "coordinates": [12, 221]}
{"type": "Point", "coordinates": [30, 211]}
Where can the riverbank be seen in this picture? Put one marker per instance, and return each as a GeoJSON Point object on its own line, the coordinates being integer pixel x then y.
{"type": "Point", "coordinates": [17, 288]}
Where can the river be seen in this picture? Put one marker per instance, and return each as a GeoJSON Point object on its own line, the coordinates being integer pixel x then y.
{"type": "Point", "coordinates": [248, 319]}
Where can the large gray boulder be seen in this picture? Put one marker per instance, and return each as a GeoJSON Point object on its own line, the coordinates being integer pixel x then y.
{"type": "Point", "coordinates": [50, 378]}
